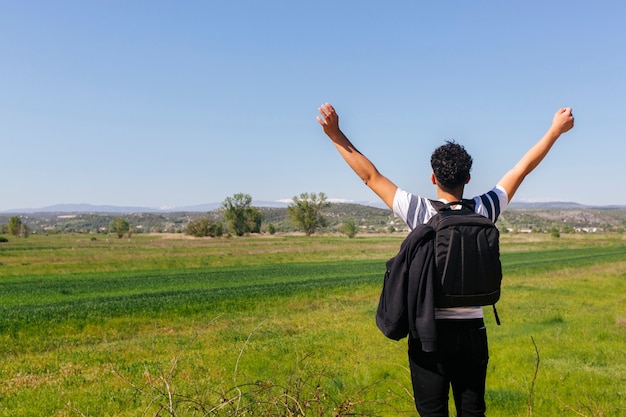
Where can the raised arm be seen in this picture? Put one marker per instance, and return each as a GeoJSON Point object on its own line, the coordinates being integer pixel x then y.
{"type": "Point", "coordinates": [562, 122]}
{"type": "Point", "coordinates": [362, 166]}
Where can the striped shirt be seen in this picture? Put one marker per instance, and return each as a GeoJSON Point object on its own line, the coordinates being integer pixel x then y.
{"type": "Point", "coordinates": [415, 210]}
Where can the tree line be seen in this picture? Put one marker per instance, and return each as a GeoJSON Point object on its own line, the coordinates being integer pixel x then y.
{"type": "Point", "coordinates": [305, 212]}
{"type": "Point", "coordinates": [308, 213]}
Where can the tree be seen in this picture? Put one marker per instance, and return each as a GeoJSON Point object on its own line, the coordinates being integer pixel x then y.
{"type": "Point", "coordinates": [306, 212]}
{"type": "Point", "coordinates": [240, 216]}
{"type": "Point", "coordinates": [349, 229]}
{"type": "Point", "coordinates": [119, 226]}
{"type": "Point", "coordinates": [205, 227]}
{"type": "Point", "coordinates": [16, 227]}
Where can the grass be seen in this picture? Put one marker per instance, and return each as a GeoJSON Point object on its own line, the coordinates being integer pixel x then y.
{"type": "Point", "coordinates": [166, 325]}
{"type": "Point", "coordinates": [574, 316]}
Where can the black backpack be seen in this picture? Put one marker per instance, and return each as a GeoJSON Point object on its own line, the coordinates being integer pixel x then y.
{"type": "Point", "coordinates": [467, 256]}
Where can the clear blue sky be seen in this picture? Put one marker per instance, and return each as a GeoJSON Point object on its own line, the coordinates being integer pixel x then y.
{"type": "Point", "coordinates": [163, 103]}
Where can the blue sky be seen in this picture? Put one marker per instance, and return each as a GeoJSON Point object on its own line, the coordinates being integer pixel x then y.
{"type": "Point", "coordinates": [162, 103]}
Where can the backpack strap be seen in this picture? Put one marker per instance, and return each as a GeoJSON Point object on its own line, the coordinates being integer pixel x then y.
{"type": "Point", "coordinates": [495, 313]}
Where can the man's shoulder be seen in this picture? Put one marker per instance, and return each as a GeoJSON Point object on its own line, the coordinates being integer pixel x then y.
{"type": "Point", "coordinates": [413, 209]}
{"type": "Point", "coordinates": [491, 203]}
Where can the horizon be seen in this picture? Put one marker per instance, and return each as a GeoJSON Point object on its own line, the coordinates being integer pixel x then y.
{"type": "Point", "coordinates": [108, 209]}
{"type": "Point", "coordinates": [154, 105]}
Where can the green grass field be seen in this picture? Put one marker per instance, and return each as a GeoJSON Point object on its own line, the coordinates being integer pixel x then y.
{"type": "Point", "coordinates": [165, 325]}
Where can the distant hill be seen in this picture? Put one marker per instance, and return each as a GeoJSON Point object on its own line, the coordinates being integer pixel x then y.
{"type": "Point", "coordinates": [91, 208]}
{"type": "Point", "coordinates": [82, 208]}
{"type": "Point", "coordinates": [558, 205]}
{"type": "Point", "coordinates": [561, 205]}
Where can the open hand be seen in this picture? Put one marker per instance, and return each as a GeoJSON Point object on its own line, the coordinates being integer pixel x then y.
{"type": "Point", "coordinates": [329, 119]}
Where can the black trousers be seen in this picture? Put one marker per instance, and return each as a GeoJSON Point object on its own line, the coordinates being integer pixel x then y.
{"type": "Point", "coordinates": [460, 362]}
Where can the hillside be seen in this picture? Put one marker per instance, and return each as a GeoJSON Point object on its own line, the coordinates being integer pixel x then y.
{"type": "Point", "coordinates": [578, 219]}
{"type": "Point", "coordinates": [369, 219]}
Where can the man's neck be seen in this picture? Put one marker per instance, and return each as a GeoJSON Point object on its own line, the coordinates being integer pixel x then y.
{"type": "Point", "coordinates": [442, 195]}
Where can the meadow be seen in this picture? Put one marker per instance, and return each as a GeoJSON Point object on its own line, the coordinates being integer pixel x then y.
{"type": "Point", "coordinates": [167, 325]}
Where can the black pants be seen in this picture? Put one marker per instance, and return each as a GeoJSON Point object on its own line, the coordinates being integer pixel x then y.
{"type": "Point", "coordinates": [460, 361]}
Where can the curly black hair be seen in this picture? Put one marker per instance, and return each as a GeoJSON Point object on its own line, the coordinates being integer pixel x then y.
{"type": "Point", "coordinates": [451, 165]}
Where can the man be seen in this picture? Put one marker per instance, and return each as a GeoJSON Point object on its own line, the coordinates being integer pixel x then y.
{"type": "Point", "coordinates": [461, 358]}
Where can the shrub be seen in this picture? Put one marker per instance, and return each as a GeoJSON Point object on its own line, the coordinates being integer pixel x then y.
{"type": "Point", "coordinates": [349, 229]}
{"type": "Point", "coordinates": [205, 227]}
